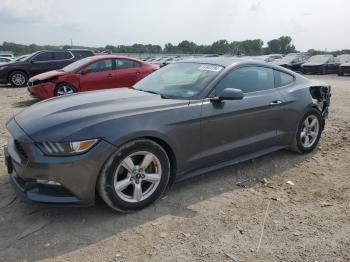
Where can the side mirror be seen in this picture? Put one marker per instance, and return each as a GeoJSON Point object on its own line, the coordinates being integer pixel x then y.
{"type": "Point", "coordinates": [229, 94]}
{"type": "Point", "coordinates": [85, 71]}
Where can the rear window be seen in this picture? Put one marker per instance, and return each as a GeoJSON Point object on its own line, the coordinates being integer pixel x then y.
{"type": "Point", "coordinates": [126, 63]}
{"type": "Point", "coordinates": [283, 79]}
{"type": "Point", "coordinates": [82, 53]}
{"type": "Point", "coordinates": [63, 55]}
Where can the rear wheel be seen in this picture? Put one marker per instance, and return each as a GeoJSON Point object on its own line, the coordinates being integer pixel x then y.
{"type": "Point", "coordinates": [18, 79]}
{"type": "Point", "coordinates": [340, 73]}
{"type": "Point", "coordinates": [135, 176]}
{"type": "Point", "coordinates": [64, 89]}
{"type": "Point", "coordinates": [309, 132]}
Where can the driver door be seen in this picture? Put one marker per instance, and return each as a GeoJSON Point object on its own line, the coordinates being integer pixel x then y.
{"type": "Point", "coordinates": [233, 128]}
{"type": "Point", "coordinates": [98, 75]}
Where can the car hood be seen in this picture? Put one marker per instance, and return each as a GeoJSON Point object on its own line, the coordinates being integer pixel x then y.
{"type": "Point", "coordinates": [312, 64]}
{"type": "Point", "coordinates": [84, 115]}
{"type": "Point", "coordinates": [345, 64]}
{"type": "Point", "coordinates": [281, 63]}
{"type": "Point", "coordinates": [48, 75]}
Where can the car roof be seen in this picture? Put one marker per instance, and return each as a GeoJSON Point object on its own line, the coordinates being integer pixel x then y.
{"type": "Point", "coordinates": [98, 57]}
{"type": "Point", "coordinates": [223, 61]}
{"type": "Point", "coordinates": [227, 61]}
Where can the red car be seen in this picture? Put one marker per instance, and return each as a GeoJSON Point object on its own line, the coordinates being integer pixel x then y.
{"type": "Point", "coordinates": [91, 73]}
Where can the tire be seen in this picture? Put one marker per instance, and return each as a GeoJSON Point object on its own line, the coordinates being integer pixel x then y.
{"type": "Point", "coordinates": [18, 79]}
{"type": "Point", "coordinates": [311, 133]}
{"type": "Point", "coordinates": [64, 89]}
{"type": "Point", "coordinates": [132, 175]}
{"type": "Point", "coordinates": [340, 73]}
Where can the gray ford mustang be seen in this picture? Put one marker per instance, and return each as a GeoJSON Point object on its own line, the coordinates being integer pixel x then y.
{"type": "Point", "coordinates": [185, 119]}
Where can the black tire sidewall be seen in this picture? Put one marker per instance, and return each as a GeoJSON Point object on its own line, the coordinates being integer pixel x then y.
{"type": "Point", "coordinates": [64, 84]}
{"type": "Point", "coordinates": [300, 146]}
{"type": "Point", "coordinates": [138, 145]}
{"type": "Point", "coordinates": [18, 72]}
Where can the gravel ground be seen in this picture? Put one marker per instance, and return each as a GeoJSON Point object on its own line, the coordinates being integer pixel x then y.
{"type": "Point", "coordinates": [208, 218]}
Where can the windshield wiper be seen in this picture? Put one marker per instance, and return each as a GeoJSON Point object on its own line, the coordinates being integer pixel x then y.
{"type": "Point", "coordinates": [153, 92]}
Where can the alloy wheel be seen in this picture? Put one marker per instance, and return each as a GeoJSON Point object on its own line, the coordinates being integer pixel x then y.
{"type": "Point", "coordinates": [64, 90]}
{"type": "Point", "coordinates": [137, 176]}
{"type": "Point", "coordinates": [18, 79]}
{"type": "Point", "coordinates": [309, 131]}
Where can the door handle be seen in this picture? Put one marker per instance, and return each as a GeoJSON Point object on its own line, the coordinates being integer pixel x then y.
{"type": "Point", "coordinates": [109, 75]}
{"type": "Point", "coordinates": [277, 102]}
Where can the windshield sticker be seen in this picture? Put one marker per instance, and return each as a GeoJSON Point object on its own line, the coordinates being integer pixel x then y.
{"type": "Point", "coordinates": [213, 68]}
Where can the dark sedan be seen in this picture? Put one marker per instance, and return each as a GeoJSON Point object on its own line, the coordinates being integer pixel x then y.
{"type": "Point", "coordinates": [292, 62]}
{"type": "Point", "coordinates": [321, 64]}
{"type": "Point", "coordinates": [183, 120]}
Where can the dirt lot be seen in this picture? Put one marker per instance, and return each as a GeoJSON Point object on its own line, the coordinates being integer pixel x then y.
{"type": "Point", "coordinates": [208, 218]}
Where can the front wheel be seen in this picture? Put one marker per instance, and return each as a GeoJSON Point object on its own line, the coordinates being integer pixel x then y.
{"type": "Point", "coordinates": [135, 176]}
{"type": "Point", "coordinates": [18, 79]}
{"type": "Point", "coordinates": [64, 89]}
{"type": "Point", "coordinates": [309, 132]}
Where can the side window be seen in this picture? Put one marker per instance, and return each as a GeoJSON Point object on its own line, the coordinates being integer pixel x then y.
{"type": "Point", "coordinates": [126, 63]}
{"type": "Point", "coordinates": [248, 79]}
{"type": "Point", "coordinates": [283, 79]}
{"type": "Point", "coordinates": [45, 56]}
{"type": "Point", "coordinates": [100, 66]}
{"type": "Point", "coordinates": [63, 55]}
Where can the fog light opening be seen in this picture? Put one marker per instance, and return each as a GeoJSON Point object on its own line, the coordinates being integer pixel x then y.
{"type": "Point", "coordinates": [48, 182]}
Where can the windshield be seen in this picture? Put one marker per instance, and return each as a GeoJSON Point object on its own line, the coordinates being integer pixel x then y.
{"type": "Point", "coordinates": [286, 59]}
{"type": "Point", "coordinates": [319, 59]}
{"type": "Point", "coordinates": [343, 58]}
{"type": "Point", "coordinates": [21, 58]}
{"type": "Point", "coordinates": [182, 80]}
{"type": "Point", "coordinates": [76, 65]}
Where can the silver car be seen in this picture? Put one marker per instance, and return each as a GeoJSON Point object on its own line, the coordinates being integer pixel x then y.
{"type": "Point", "coordinates": [183, 120]}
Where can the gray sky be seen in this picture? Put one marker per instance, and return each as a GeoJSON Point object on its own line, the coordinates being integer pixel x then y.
{"type": "Point", "coordinates": [320, 24]}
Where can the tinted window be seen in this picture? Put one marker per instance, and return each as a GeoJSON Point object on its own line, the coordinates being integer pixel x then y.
{"type": "Point", "coordinates": [83, 53]}
{"type": "Point", "coordinates": [248, 79]}
{"type": "Point", "coordinates": [283, 79]}
{"type": "Point", "coordinates": [100, 66]}
{"type": "Point", "coordinates": [45, 56]}
{"type": "Point", "coordinates": [126, 63]}
{"type": "Point", "coordinates": [63, 55]}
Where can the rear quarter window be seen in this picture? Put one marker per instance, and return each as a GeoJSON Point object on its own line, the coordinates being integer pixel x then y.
{"type": "Point", "coordinates": [283, 79]}
{"type": "Point", "coordinates": [63, 55]}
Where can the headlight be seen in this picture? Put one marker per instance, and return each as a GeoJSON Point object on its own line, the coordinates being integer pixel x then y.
{"type": "Point", "coordinates": [66, 148]}
{"type": "Point", "coordinates": [2, 67]}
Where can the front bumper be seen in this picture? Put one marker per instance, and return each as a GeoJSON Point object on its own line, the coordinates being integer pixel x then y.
{"type": "Point", "coordinates": [344, 69]}
{"type": "Point", "coordinates": [42, 90]}
{"type": "Point", "coordinates": [74, 177]}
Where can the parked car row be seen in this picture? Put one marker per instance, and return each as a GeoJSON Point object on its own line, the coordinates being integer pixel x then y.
{"type": "Point", "coordinates": [19, 71]}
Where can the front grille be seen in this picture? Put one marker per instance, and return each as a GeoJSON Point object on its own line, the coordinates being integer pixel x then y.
{"type": "Point", "coordinates": [20, 150]}
{"type": "Point", "coordinates": [34, 82]}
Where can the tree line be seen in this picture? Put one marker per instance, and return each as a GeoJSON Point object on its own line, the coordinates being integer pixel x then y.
{"type": "Point", "coordinates": [281, 45]}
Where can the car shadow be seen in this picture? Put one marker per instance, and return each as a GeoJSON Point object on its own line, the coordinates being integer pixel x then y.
{"type": "Point", "coordinates": [25, 103]}
{"type": "Point", "coordinates": [71, 229]}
